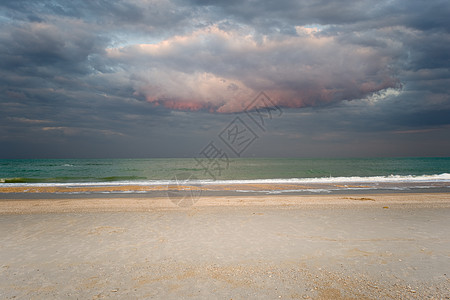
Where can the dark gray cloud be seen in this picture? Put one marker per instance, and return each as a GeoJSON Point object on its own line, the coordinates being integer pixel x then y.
{"type": "Point", "coordinates": [153, 78]}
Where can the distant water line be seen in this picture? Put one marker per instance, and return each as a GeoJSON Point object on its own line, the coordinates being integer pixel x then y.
{"type": "Point", "coordinates": [156, 171]}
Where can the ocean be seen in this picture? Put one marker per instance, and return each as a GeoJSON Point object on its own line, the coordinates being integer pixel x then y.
{"type": "Point", "coordinates": [329, 174]}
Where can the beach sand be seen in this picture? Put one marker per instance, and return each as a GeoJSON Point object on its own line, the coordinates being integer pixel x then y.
{"type": "Point", "coordinates": [367, 246]}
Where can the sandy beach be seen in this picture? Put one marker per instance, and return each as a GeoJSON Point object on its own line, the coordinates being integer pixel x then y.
{"type": "Point", "coordinates": [365, 246]}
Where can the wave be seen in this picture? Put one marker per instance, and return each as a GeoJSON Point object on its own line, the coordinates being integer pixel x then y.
{"type": "Point", "coordinates": [135, 180]}
{"type": "Point", "coordinates": [121, 178]}
{"type": "Point", "coordinates": [444, 177]}
{"type": "Point", "coordinates": [21, 180]}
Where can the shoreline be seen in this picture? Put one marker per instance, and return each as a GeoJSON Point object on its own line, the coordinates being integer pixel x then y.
{"type": "Point", "coordinates": [142, 204]}
{"type": "Point", "coordinates": [217, 190]}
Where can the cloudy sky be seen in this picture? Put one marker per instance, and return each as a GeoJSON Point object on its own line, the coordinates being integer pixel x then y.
{"type": "Point", "coordinates": [165, 78]}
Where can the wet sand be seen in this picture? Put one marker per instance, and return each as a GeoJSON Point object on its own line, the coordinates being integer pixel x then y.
{"type": "Point", "coordinates": [366, 246]}
{"type": "Point", "coordinates": [230, 189]}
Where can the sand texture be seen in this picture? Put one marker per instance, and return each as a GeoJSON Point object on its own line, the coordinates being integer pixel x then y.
{"type": "Point", "coordinates": [308, 247]}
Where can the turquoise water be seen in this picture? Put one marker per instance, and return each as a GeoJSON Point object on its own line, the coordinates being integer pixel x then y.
{"type": "Point", "coordinates": [139, 170]}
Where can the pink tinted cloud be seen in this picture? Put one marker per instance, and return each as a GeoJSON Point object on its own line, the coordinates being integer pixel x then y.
{"type": "Point", "coordinates": [221, 71]}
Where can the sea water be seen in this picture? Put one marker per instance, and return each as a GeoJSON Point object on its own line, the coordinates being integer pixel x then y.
{"type": "Point", "coordinates": [392, 172]}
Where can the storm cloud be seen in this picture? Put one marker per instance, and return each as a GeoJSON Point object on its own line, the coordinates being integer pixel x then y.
{"type": "Point", "coordinates": [121, 73]}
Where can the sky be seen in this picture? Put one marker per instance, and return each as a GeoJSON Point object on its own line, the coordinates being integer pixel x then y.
{"type": "Point", "coordinates": [287, 78]}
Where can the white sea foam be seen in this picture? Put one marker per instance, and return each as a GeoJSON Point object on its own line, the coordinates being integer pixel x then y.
{"type": "Point", "coordinates": [299, 191]}
{"type": "Point", "coordinates": [286, 191]}
{"type": "Point", "coordinates": [445, 177]}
